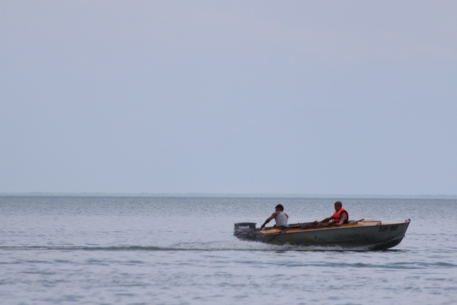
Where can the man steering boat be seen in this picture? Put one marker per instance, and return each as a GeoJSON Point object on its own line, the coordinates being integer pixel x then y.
{"type": "Point", "coordinates": [280, 217]}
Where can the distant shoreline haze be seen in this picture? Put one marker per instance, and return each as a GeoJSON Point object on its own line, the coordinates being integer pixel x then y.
{"type": "Point", "coordinates": [204, 195]}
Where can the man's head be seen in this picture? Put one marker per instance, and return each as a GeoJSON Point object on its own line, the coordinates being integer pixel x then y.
{"type": "Point", "coordinates": [279, 208]}
{"type": "Point", "coordinates": [338, 205]}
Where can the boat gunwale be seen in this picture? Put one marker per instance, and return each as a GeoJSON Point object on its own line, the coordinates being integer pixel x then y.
{"type": "Point", "coordinates": [275, 231]}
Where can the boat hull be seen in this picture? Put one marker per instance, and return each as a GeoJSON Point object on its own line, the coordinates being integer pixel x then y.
{"type": "Point", "coordinates": [372, 235]}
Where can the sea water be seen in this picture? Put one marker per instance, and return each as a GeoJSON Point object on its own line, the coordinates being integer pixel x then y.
{"type": "Point", "coordinates": [176, 250]}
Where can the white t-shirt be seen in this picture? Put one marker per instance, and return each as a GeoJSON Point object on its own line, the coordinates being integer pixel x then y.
{"type": "Point", "coordinates": [281, 219]}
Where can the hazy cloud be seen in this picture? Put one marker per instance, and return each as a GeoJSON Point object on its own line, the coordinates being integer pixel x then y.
{"type": "Point", "coordinates": [304, 97]}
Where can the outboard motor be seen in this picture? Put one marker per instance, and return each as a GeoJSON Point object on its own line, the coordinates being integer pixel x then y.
{"type": "Point", "coordinates": [245, 230]}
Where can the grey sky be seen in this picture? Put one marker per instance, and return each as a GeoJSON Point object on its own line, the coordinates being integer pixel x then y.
{"type": "Point", "coordinates": [290, 97]}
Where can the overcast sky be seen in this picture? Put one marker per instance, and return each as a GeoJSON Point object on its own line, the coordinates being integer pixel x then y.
{"type": "Point", "coordinates": [269, 97]}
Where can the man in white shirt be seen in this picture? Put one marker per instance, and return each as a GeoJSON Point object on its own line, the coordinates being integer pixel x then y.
{"type": "Point", "coordinates": [280, 217]}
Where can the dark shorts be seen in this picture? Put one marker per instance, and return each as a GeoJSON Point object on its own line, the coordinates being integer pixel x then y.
{"type": "Point", "coordinates": [284, 228]}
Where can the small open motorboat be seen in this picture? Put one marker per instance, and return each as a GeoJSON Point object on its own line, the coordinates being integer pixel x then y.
{"type": "Point", "coordinates": [360, 234]}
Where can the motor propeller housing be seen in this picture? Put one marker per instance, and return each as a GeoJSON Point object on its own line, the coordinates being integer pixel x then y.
{"type": "Point", "coordinates": [245, 230]}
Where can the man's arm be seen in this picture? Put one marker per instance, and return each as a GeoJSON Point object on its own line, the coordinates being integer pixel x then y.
{"type": "Point", "coordinates": [326, 219]}
{"type": "Point", "coordinates": [269, 219]}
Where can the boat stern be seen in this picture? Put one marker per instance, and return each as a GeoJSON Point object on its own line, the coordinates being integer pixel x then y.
{"type": "Point", "coordinates": [245, 231]}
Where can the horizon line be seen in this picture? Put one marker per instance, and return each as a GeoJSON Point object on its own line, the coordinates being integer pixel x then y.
{"type": "Point", "coordinates": [234, 195]}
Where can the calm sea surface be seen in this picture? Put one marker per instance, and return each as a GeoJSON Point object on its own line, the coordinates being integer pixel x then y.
{"type": "Point", "coordinates": [150, 250]}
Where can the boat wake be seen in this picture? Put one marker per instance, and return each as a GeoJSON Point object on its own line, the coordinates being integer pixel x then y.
{"type": "Point", "coordinates": [195, 246]}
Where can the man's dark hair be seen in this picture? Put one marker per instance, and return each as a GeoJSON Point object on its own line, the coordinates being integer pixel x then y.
{"type": "Point", "coordinates": [339, 203]}
{"type": "Point", "coordinates": [279, 206]}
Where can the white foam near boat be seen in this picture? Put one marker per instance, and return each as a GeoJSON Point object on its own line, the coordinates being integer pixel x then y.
{"type": "Point", "coordinates": [366, 234]}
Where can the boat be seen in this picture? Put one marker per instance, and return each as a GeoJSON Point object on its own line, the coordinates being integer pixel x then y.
{"type": "Point", "coordinates": [360, 234]}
